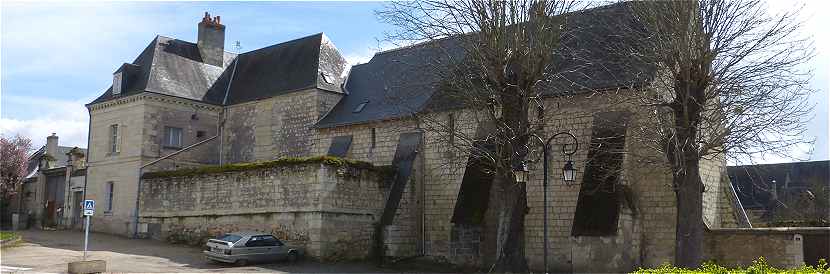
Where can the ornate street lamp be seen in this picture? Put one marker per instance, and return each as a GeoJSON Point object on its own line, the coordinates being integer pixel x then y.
{"type": "Point", "coordinates": [568, 176]}
{"type": "Point", "coordinates": [568, 172]}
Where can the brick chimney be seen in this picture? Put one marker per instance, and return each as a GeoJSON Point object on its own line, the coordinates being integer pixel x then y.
{"type": "Point", "coordinates": [211, 40]}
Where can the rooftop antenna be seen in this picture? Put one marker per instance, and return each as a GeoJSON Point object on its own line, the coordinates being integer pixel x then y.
{"type": "Point", "coordinates": [237, 46]}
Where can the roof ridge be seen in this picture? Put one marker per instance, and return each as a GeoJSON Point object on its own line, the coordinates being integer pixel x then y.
{"type": "Point", "coordinates": [285, 42]}
{"type": "Point", "coordinates": [788, 163]}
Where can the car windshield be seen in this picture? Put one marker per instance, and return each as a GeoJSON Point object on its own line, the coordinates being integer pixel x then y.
{"type": "Point", "coordinates": [230, 238]}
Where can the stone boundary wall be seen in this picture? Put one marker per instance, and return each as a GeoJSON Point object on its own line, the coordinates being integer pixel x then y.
{"type": "Point", "coordinates": [327, 210]}
{"type": "Point", "coordinates": [781, 247]}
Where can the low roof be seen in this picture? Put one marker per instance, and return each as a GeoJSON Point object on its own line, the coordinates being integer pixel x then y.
{"type": "Point", "coordinates": [171, 67]}
{"type": "Point", "coordinates": [61, 159]}
{"type": "Point", "coordinates": [404, 81]}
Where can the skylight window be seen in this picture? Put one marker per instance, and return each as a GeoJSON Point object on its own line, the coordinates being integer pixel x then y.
{"type": "Point", "coordinates": [360, 107]}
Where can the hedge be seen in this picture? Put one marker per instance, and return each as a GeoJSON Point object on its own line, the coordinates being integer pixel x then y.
{"type": "Point", "coordinates": [758, 266]}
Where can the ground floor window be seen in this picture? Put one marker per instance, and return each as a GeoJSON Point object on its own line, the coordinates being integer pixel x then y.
{"type": "Point", "coordinates": [110, 194]}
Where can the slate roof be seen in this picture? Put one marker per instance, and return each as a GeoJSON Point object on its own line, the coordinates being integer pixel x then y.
{"type": "Point", "coordinates": [753, 183]}
{"type": "Point", "coordinates": [61, 158]}
{"type": "Point", "coordinates": [171, 67]}
{"type": "Point", "coordinates": [279, 69]}
{"type": "Point", "coordinates": [174, 67]}
{"type": "Point", "coordinates": [405, 81]}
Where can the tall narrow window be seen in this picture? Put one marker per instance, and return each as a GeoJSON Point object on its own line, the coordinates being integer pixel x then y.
{"type": "Point", "coordinates": [597, 208]}
{"type": "Point", "coordinates": [172, 137]}
{"type": "Point", "coordinates": [114, 138]}
{"type": "Point", "coordinates": [110, 192]}
{"type": "Point", "coordinates": [374, 137]}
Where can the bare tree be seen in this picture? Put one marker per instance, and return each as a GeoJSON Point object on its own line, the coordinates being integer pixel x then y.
{"type": "Point", "coordinates": [497, 54]}
{"type": "Point", "coordinates": [729, 85]}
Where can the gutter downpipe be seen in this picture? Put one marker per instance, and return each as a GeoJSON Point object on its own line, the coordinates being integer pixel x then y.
{"type": "Point", "coordinates": [141, 173]}
{"type": "Point", "coordinates": [224, 113]}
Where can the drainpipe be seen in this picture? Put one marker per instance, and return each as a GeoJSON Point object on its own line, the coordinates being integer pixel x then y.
{"type": "Point", "coordinates": [141, 173]}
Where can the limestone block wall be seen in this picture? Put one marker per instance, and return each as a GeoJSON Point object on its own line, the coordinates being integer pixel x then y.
{"type": "Point", "coordinates": [712, 172]}
{"type": "Point", "coordinates": [376, 143]}
{"type": "Point", "coordinates": [141, 119]}
{"type": "Point", "coordinates": [325, 209]}
{"type": "Point", "coordinates": [781, 247]}
{"type": "Point", "coordinates": [276, 127]}
{"type": "Point", "coordinates": [120, 168]}
{"type": "Point", "coordinates": [198, 122]}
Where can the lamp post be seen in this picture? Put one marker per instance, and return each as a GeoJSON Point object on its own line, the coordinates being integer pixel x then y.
{"type": "Point", "coordinates": [568, 174]}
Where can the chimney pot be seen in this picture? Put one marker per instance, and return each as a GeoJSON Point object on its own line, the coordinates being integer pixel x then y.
{"type": "Point", "coordinates": [211, 41]}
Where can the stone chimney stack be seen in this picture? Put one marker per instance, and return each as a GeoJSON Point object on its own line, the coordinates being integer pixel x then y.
{"type": "Point", "coordinates": [211, 40]}
{"type": "Point", "coordinates": [52, 145]}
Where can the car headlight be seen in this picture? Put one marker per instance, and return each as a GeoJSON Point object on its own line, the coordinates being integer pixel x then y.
{"type": "Point", "coordinates": [227, 252]}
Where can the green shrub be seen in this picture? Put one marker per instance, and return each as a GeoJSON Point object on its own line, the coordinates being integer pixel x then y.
{"type": "Point", "coordinates": [5, 235]}
{"type": "Point", "coordinates": [758, 266]}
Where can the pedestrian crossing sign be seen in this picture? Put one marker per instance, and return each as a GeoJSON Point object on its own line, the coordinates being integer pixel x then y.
{"type": "Point", "coordinates": [89, 207]}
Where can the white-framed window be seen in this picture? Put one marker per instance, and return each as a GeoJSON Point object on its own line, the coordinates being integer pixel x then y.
{"type": "Point", "coordinates": [110, 194]}
{"type": "Point", "coordinates": [113, 137]}
{"type": "Point", "coordinates": [116, 83]}
{"type": "Point", "coordinates": [172, 137]}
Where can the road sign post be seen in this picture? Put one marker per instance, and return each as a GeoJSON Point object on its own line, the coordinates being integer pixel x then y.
{"type": "Point", "coordinates": [89, 209]}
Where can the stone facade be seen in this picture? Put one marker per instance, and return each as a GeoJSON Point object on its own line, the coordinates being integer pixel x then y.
{"type": "Point", "coordinates": [140, 120]}
{"type": "Point", "coordinates": [328, 210]}
{"type": "Point", "coordinates": [275, 127]}
{"type": "Point", "coordinates": [645, 229]}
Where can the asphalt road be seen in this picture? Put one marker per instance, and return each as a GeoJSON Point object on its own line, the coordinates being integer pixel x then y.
{"type": "Point", "coordinates": [51, 251]}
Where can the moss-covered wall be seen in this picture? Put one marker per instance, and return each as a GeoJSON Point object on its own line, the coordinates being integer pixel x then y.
{"type": "Point", "coordinates": [325, 205]}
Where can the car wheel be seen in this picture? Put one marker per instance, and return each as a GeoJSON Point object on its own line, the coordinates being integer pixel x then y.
{"type": "Point", "coordinates": [241, 262]}
{"type": "Point", "coordinates": [292, 257]}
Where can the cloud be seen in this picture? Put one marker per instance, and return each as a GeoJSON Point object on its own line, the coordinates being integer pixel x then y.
{"type": "Point", "coordinates": [66, 118]}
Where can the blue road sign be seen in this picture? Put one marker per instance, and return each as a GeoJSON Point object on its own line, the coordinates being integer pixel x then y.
{"type": "Point", "coordinates": [89, 207]}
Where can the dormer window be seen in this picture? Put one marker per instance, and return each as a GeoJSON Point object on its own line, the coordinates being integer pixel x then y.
{"type": "Point", "coordinates": [116, 83]}
{"type": "Point", "coordinates": [327, 77]}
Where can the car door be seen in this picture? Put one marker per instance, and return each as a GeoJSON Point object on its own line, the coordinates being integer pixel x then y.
{"type": "Point", "coordinates": [255, 250]}
{"type": "Point", "coordinates": [274, 248]}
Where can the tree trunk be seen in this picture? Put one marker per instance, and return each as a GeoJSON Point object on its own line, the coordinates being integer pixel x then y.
{"type": "Point", "coordinates": [689, 192]}
{"type": "Point", "coordinates": [510, 236]}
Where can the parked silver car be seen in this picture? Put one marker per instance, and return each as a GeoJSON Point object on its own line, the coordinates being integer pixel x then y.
{"type": "Point", "coordinates": [245, 247]}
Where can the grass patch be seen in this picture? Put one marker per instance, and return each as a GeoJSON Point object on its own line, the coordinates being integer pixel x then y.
{"type": "Point", "coordinates": [288, 161]}
{"type": "Point", "coordinates": [758, 266]}
{"type": "Point", "coordinates": [5, 235]}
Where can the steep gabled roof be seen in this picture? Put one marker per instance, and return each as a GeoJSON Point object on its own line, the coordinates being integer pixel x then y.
{"type": "Point", "coordinates": [407, 80]}
{"type": "Point", "coordinates": [279, 69]}
{"type": "Point", "coordinates": [174, 67]}
{"type": "Point", "coordinates": [171, 67]}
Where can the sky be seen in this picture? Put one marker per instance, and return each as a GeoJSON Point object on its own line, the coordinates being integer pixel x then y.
{"type": "Point", "coordinates": [57, 56]}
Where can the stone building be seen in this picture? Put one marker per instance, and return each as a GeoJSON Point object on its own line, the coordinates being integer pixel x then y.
{"type": "Point", "coordinates": [182, 105]}
{"type": "Point", "coordinates": [53, 189]}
